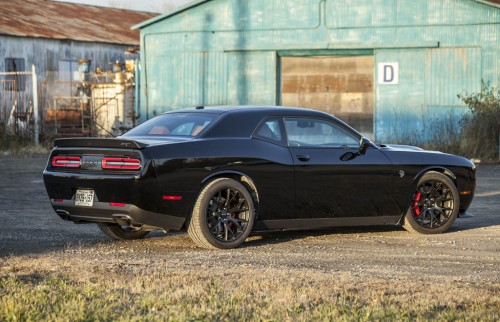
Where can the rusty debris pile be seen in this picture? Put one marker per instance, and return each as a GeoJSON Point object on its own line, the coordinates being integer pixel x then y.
{"type": "Point", "coordinates": [89, 103]}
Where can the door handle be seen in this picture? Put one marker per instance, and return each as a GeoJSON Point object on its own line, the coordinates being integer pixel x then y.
{"type": "Point", "coordinates": [303, 157]}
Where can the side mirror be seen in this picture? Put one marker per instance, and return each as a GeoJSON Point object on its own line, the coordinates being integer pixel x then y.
{"type": "Point", "coordinates": [364, 144]}
{"type": "Point", "coordinates": [348, 156]}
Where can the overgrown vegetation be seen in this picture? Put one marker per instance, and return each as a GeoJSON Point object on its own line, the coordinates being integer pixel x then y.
{"type": "Point", "coordinates": [444, 136]}
{"type": "Point", "coordinates": [13, 145]}
{"type": "Point", "coordinates": [481, 129]}
{"type": "Point", "coordinates": [233, 296]}
{"type": "Point", "coordinates": [473, 135]}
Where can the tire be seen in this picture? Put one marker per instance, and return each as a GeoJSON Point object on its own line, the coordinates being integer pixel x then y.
{"type": "Point", "coordinates": [223, 215]}
{"type": "Point", "coordinates": [434, 206]}
{"type": "Point", "coordinates": [118, 232]}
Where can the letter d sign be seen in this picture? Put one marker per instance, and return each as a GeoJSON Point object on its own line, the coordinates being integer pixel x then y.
{"type": "Point", "coordinates": [388, 73]}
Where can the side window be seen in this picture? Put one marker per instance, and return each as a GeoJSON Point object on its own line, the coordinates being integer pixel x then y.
{"type": "Point", "coordinates": [174, 124]}
{"type": "Point", "coordinates": [270, 130]}
{"type": "Point", "coordinates": [315, 132]}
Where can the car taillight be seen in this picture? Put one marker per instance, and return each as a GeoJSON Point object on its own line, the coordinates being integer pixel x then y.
{"type": "Point", "coordinates": [64, 161]}
{"type": "Point", "coordinates": [172, 198]}
{"type": "Point", "coordinates": [117, 204]}
{"type": "Point", "coordinates": [121, 163]}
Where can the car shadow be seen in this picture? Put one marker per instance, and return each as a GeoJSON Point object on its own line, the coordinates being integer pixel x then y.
{"type": "Point", "coordinates": [475, 222]}
{"type": "Point", "coordinates": [283, 236]}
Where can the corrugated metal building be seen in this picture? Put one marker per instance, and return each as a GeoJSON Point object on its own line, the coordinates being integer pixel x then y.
{"type": "Point", "coordinates": [54, 36]}
{"type": "Point", "coordinates": [392, 68]}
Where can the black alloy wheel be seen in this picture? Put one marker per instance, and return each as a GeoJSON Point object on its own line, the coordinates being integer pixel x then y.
{"type": "Point", "coordinates": [434, 206]}
{"type": "Point", "coordinates": [223, 215]}
{"type": "Point", "coordinates": [227, 214]}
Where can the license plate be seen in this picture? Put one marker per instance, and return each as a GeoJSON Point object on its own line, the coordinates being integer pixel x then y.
{"type": "Point", "coordinates": [84, 198]}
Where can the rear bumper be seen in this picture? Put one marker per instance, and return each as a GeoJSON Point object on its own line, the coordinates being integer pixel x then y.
{"type": "Point", "coordinates": [104, 212]}
{"type": "Point", "coordinates": [141, 194]}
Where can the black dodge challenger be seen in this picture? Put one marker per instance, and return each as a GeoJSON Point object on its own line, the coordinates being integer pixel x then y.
{"type": "Point", "coordinates": [222, 172]}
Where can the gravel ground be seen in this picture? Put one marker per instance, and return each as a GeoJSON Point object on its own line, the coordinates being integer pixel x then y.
{"type": "Point", "coordinates": [467, 254]}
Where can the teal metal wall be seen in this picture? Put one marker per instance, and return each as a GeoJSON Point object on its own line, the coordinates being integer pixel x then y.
{"type": "Point", "coordinates": [228, 52]}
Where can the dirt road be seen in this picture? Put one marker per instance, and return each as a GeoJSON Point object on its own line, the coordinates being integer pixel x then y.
{"type": "Point", "coordinates": [468, 256]}
{"type": "Point", "coordinates": [471, 248]}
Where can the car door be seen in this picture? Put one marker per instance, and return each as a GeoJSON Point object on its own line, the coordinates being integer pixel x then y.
{"type": "Point", "coordinates": [331, 180]}
{"type": "Point", "coordinates": [273, 174]}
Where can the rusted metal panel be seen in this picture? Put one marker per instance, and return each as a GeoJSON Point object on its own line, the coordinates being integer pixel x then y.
{"type": "Point", "coordinates": [339, 85]}
{"type": "Point", "coordinates": [59, 20]}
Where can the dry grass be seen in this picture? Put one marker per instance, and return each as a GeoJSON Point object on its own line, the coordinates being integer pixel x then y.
{"type": "Point", "coordinates": [22, 149]}
{"type": "Point", "coordinates": [19, 146]}
{"type": "Point", "coordinates": [65, 287]}
{"type": "Point", "coordinates": [25, 151]}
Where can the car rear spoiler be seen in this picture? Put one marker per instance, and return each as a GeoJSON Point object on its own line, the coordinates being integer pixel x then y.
{"type": "Point", "coordinates": [98, 143]}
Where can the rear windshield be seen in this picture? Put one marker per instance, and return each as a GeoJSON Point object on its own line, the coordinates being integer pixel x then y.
{"type": "Point", "coordinates": [174, 124]}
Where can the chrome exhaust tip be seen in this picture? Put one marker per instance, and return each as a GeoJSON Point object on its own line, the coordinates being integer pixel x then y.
{"type": "Point", "coordinates": [126, 220]}
{"type": "Point", "coordinates": [63, 214]}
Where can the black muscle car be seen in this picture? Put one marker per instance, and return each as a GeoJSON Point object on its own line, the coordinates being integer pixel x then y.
{"type": "Point", "coordinates": [222, 172]}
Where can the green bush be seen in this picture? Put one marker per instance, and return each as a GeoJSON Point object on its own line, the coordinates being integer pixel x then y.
{"type": "Point", "coordinates": [481, 128]}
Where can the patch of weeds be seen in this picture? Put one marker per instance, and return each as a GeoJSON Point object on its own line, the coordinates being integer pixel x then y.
{"type": "Point", "coordinates": [481, 129]}
{"type": "Point", "coordinates": [19, 146]}
{"type": "Point", "coordinates": [178, 297]}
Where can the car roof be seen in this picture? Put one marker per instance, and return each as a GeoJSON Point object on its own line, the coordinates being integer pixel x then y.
{"type": "Point", "coordinates": [241, 121]}
{"type": "Point", "coordinates": [230, 109]}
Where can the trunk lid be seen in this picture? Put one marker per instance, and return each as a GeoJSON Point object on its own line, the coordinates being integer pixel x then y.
{"type": "Point", "coordinates": [99, 143]}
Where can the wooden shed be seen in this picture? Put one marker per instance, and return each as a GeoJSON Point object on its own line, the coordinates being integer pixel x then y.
{"type": "Point", "coordinates": [391, 68]}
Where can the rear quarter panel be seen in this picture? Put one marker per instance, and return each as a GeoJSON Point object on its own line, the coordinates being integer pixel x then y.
{"type": "Point", "coordinates": [183, 169]}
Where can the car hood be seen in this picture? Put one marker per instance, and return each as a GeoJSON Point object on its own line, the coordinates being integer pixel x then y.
{"type": "Point", "coordinates": [401, 147]}
{"type": "Point", "coordinates": [408, 154]}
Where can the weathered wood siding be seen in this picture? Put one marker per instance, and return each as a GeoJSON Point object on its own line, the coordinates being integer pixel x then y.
{"type": "Point", "coordinates": [228, 52]}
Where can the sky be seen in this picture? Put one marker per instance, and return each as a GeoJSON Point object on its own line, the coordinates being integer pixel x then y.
{"type": "Point", "coordinates": [160, 6]}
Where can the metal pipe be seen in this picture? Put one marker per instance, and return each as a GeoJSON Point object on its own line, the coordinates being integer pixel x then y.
{"type": "Point", "coordinates": [35, 102]}
{"type": "Point", "coordinates": [137, 78]}
{"type": "Point", "coordinates": [81, 116]}
{"type": "Point", "coordinates": [55, 115]}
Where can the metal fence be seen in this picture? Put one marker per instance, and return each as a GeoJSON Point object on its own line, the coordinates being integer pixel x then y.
{"type": "Point", "coordinates": [99, 105]}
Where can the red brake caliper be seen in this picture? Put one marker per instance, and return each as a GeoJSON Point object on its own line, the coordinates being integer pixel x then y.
{"type": "Point", "coordinates": [416, 199]}
{"type": "Point", "coordinates": [230, 224]}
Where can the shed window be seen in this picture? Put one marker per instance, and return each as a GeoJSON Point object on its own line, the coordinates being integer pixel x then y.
{"type": "Point", "coordinates": [15, 82]}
